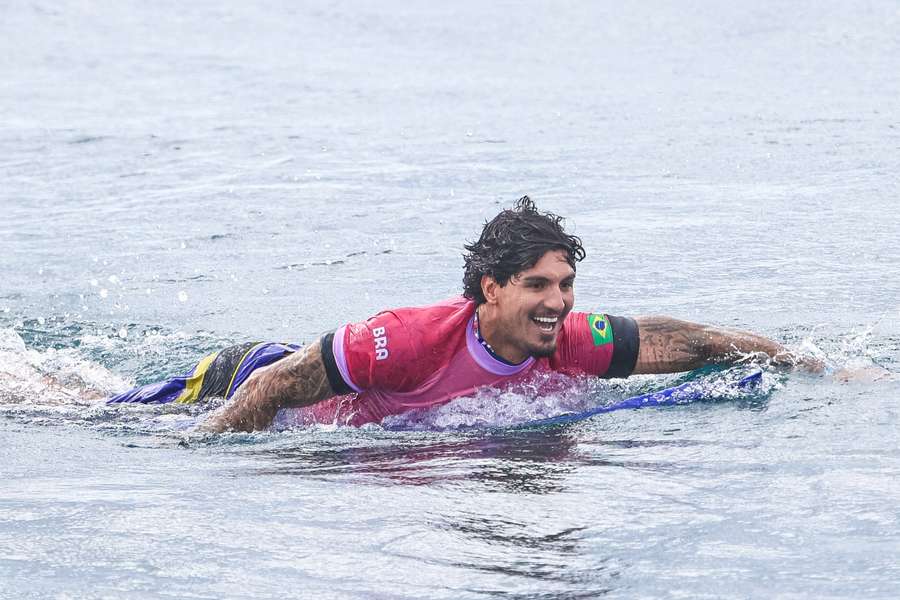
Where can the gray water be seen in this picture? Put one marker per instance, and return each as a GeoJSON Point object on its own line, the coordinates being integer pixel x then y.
{"type": "Point", "coordinates": [180, 177]}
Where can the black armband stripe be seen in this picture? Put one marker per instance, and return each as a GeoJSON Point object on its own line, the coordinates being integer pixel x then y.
{"type": "Point", "coordinates": [626, 343]}
{"type": "Point", "coordinates": [337, 382]}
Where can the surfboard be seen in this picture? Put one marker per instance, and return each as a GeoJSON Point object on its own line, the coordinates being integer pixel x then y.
{"type": "Point", "coordinates": [685, 393]}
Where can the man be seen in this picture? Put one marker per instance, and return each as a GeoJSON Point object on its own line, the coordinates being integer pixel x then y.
{"type": "Point", "coordinates": [514, 321]}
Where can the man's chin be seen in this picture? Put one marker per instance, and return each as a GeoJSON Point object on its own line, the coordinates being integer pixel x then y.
{"type": "Point", "coordinates": [543, 351]}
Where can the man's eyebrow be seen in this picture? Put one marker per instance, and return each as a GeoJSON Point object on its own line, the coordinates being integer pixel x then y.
{"type": "Point", "coordinates": [542, 279]}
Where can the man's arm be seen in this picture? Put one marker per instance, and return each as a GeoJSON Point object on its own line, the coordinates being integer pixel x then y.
{"type": "Point", "coordinates": [671, 346]}
{"type": "Point", "coordinates": [297, 380]}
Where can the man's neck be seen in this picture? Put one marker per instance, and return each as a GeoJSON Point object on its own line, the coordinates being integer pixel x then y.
{"type": "Point", "coordinates": [490, 330]}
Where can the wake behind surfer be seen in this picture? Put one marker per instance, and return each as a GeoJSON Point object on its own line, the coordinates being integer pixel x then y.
{"type": "Point", "coordinates": [515, 319]}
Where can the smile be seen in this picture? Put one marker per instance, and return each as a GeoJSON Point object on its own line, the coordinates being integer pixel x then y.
{"type": "Point", "coordinates": [546, 323]}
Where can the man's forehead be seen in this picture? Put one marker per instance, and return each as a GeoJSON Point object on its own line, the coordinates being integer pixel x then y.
{"type": "Point", "coordinates": [552, 264]}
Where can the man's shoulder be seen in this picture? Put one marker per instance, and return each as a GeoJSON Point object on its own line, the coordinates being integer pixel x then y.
{"type": "Point", "coordinates": [399, 348]}
{"type": "Point", "coordinates": [452, 310]}
{"type": "Point", "coordinates": [413, 328]}
{"type": "Point", "coordinates": [596, 323]}
{"type": "Point", "coordinates": [597, 343]}
{"type": "Point", "coordinates": [433, 329]}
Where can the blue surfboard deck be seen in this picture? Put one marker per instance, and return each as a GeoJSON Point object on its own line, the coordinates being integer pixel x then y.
{"type": "Point", "coordinates": [685, 393]}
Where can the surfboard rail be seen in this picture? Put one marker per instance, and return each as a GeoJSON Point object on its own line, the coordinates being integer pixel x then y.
{"type": "Point", "coordinates": [680, 394]}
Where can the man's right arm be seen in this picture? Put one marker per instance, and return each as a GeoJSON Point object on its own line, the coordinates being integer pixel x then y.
{"type": "Point", "coordinates": [297, 380]}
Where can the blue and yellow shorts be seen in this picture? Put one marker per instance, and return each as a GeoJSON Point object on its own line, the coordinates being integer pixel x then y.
{"type": "Point", "coordinates": [218, 375]}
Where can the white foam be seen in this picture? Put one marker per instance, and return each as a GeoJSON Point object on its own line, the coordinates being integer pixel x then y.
{"type": "Point", "coordinates": [51, 376]}
{"type": "Point", "coordinates": [542, 396]}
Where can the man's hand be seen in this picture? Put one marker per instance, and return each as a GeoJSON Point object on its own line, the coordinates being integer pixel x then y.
{"type": "Point", "coordinates": [297, 380]}
{"type": "Point", "coordinates": [672, 346]}
{"type": "Point", "coordinates": [868, 374]}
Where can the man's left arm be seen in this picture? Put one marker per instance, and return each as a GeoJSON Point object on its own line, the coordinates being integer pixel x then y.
{"type": "Point", "coordinates": [670, 346]}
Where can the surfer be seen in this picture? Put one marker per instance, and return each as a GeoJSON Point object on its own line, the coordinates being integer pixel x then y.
{"type": "Point", "coordinates": [513, 321]}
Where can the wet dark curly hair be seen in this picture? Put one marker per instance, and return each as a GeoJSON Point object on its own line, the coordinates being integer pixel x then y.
{"type": "Point", "coordinates": [513, 242]}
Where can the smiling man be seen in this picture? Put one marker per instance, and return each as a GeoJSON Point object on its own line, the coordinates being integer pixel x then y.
{"type": "Point", "coordinates": [514, 320]}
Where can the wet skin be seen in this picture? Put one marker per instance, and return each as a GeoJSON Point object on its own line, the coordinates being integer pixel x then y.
{"type": "Point", "coordinates": [519, 319]}
{"type": "Point", "coordinates": [523, 318]}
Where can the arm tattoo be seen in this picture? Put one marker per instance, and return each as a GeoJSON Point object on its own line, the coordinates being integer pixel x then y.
{"type": "Point", "coordinates": [670, 346]}
{"type": "Point", "coordinates": [297, 380]}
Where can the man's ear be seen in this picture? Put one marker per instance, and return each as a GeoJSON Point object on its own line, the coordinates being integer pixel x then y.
{"type": "Point", "coordinates": [489, 288]}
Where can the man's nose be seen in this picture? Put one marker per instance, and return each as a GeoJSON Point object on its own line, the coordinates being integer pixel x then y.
{"type": "Point", "coordinates": [555, 300]}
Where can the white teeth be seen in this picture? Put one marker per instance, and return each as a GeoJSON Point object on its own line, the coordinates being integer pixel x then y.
{"type": "Point", "coordinates": [546, 323]}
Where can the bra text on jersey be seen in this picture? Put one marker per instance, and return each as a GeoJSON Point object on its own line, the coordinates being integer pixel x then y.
{"type": "Point", "coordinates": [381, 351]}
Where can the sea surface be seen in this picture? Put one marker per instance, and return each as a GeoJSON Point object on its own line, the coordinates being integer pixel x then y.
{"type": "Point", "coordinates": [176, 177]}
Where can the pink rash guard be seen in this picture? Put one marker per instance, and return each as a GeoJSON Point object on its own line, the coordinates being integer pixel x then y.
{"type": "Point", "coordinates": [412, 358]}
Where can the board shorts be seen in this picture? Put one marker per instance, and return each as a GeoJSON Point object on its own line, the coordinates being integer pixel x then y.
{"type": "Point", "coordinates": [218, 375]}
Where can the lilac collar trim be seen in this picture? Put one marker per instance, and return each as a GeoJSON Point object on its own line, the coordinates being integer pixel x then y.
{"type": "Point", "coordinates": [484, 358]}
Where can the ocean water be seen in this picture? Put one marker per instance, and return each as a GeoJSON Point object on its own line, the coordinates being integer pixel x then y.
{"type": "Point", "coordinates": [174, 178]}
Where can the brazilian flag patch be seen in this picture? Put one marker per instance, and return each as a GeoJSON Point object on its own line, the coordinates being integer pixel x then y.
{"type": "Point", "coordinates": [601, 330]}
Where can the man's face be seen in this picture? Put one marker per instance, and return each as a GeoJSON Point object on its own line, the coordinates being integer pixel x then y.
{"type": "Point", "coordinates": [531, 307]}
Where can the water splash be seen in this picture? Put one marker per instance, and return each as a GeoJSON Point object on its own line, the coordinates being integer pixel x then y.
{"type": "Point", "coordinates": [552, 394]}
{"type": "Point", "coordinates": [854, 355]}
{"type": "Point", "coordinates": [52, 376]}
